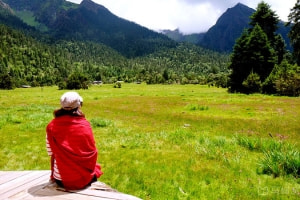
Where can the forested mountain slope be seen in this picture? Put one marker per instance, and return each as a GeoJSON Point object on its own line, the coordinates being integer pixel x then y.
{"type": "Point", "coordinates": [29, 61]}
{"type": "Point", "coordinates": [89, 22]}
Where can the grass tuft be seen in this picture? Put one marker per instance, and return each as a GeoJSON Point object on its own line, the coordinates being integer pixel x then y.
{"type": "Point", "coordinates": [280, 162]}
{"type": "Point", "coordinates": [99, 122]}
{"type": "Point", "coordinates": [196, 107]}
{"type": "Point", "coordinates": [258, 144]}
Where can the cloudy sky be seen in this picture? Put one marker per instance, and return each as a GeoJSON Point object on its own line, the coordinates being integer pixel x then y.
{"type": "Point", "coordinates": [190, 16]}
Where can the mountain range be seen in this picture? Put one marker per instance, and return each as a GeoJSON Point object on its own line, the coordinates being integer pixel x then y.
{"type": "Point", "coordinates": [222, 36]}
{"type": "Point", "coordinates": [228, 28]}
{"type": "Point", "coordinates": [88, 21]}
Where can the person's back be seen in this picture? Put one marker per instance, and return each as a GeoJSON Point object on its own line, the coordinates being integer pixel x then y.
{"type": "Point", "coordinates": [71, 145]}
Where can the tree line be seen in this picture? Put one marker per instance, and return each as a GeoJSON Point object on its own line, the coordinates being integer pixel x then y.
{"type": "Point", "coordinates": [259, 62]}
{"type": "Point", "coordinates": [28, 61]}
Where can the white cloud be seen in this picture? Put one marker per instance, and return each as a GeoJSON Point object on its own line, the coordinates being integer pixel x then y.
{"type": "Point", "coordinates": [75, 1]}
{"type": "Point", "coordinates": [190, 16]}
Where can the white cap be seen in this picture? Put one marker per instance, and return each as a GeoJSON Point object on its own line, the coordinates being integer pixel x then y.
{"type": "Point", "coordinates": [70, 100]}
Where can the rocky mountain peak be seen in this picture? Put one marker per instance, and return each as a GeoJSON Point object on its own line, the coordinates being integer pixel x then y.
{"type": "Point", "coordinates": [5, 7]}
{"type": "Point", "coordinates": [92, 6]}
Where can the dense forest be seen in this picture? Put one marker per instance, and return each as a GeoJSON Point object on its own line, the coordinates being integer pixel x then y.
{"type": "Point", "coordinates": [28, 61]}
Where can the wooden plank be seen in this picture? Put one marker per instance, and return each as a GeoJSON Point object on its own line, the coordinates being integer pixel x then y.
{"type": "Point", "coordinates": [65, 195]}
{"type": "Point", "coordinates": [46, 193]}
{"type": "Point", "coordinates": [29, 194]}
{"type": "Point", "coordinates": [23, 191]}
{"type": "Point", "coordinates": [22, 183]}
{"type": "Point", "coordinates": [23, 179]}
{"type": "Point", "coordinates": [10, 175]}
{"type": "Point", "coordinates": [12, 183]}
{"type": "Point", "coordinates": [35, 185]}
{"type": "Point", "coordinates": [87, 193]}
{"type": "Point", "coordinates": [104, 194]}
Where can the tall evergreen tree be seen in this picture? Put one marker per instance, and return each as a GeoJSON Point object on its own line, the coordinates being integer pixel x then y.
{"type": "Point", "coordinates": [279, 46]}
{"type": "Point", "coordinates": [261, 55]}
{"type": "Point", "coordinates": [257, 50]}
{"type": "Point", "coordinates": [266, 19]}
{"type": "Point", "coordinates": [294, 34]}
{"type": "Point", "coordinates": [252, 54]}
{"type": "Point", "coordinates": [239, 63]}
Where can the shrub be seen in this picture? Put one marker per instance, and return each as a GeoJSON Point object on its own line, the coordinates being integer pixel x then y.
{"type": "Point", "coordinates": [283, 80]}
{"type": "Point", "coordinates": [62, 85]}
{"type": "Point", "coordinates": [117, 84]}
{"type": "Point", "coordinates": [252, 83]}
{"type": "Point", "coordinates": [77, 81]}
{"type": "Point", "coordinates": [6, 82]}
{"type": "Point", "coordinates": [289, 86]}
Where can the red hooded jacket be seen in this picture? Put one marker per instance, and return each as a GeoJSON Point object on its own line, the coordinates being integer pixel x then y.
{"type": "Point", "coordinates": [73, 147]}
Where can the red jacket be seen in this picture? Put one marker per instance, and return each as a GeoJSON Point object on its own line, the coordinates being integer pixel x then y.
{"type": "Point", "coordinates": [73, 146]}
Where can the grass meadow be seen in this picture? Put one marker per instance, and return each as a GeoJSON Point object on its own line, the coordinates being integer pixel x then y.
{"type": "Point", "coordinates": [169, 141]}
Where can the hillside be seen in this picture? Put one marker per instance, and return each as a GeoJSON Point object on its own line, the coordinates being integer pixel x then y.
{"type": "Point", "coordinates": [29, 61]}
{"type": "Point", "coordinates": [8, 17]}
{"type": "Point", "coordinates": [37, 13]}
{"type": "Point", "coordinates": [89, 22]}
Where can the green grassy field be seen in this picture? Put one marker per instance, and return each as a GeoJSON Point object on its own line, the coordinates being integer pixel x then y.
{"type": "Point", "coordinates": [169, 141]}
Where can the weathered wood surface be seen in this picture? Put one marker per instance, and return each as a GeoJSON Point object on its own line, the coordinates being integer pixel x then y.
{"type": "Point", "coordinates": [35, 185]}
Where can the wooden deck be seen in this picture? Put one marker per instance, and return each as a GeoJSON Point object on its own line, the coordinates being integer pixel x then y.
{"type": "Point", "coordinates": [35, 185]}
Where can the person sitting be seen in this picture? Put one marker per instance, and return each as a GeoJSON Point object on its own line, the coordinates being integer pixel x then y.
{"type": "Point", "coordinates": [71, 145]}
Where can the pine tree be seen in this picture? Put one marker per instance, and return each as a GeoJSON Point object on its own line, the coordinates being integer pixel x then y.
{"type": "Point", "coordinates": [261, 55]}
{"type": "Point", "coordinates": [279, 47]}
{"type": "Point", "coordinates": [266, 19]}
{"type": "Point", "coordinates": [294, 34]}
{"type": "Point", "coordinates": [252, 54]}
{"type": "Point", "coordinates": [257, 50]}
{"type": "Point", "coordinates": [239, 64]}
